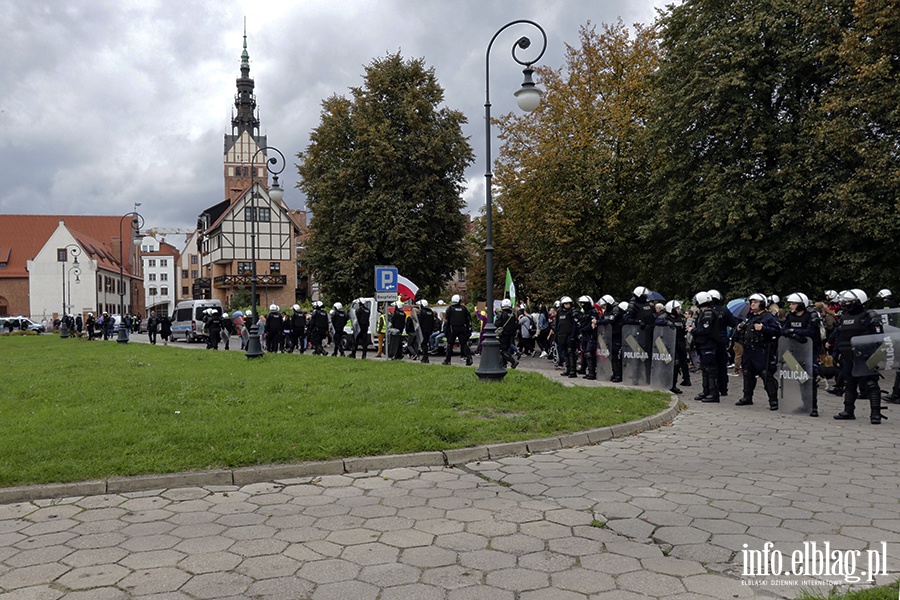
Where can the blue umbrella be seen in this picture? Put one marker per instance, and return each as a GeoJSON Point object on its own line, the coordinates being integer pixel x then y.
{"type": "Point", "coordinates": [739, 307]}
{"type": "Point", "coordinates": [237, 313]}
{"type": "Point", "coordinates": [655, 297]}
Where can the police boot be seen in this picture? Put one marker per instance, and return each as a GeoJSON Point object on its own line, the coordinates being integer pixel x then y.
{"type": "Point", "coordinates": [591, 368]}
{"type": "Point", "coordinates": [772, 391]}
{"type": "Point", "coordinates": [875, 415]}
{"type": "Point", "coordinates": [616, 369]}
{"type": "Point", "coordinates": [749, 386]}
{"type": "Point", "coordinates": [424, 357]}
{"type": "Point", "coordinates": [582, 367]}
{"type": "Point", "coordinates": [815, 398]}
{"type": "Point", "coordinates": [571, 365]}
{"type": "Point", "coordinates": [849, 404]}
{"type": "Point", "coordinates": [713, 384]}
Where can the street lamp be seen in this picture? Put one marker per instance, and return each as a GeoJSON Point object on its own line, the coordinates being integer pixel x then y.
{"type": "Point", "coordinates": [77, 270]}
{"type": "Point", "coordinates": [491, 367]}
{"type": "Point", "coordinates": [137, 221]}
{"type": "Point", "coordinates": [254, 348]}
{"type": "Point", "coordinates": [75, 250]}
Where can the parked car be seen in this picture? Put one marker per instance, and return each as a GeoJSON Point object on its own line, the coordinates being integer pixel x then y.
{"type": "Point", "coordinates": [18, 323]}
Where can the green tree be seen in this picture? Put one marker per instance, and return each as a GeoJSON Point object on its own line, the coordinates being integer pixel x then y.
{"type": "Point", "coordinates": [383, 175]}
{"type": "Point", "coordinates": [573, 176]}
{"type": "Point", "coordinates": [747, 190]}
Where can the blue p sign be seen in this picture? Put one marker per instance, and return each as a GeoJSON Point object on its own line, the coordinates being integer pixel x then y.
{"type": "Point", "coordinates": [385, 279]}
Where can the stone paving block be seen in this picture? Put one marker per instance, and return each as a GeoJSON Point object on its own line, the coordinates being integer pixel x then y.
{"type": "Point", "coordinates": [544, 444]}
{"type": "Point", "coordinates": [218, 585]}
{"type": "Point", "coordinates": [717, 586]}
{"type": "Point", "coordinates": [280, 588]}
{"type": "Point", "coordinates": [574, 439]}
{"type": "Point", "coordinates": [344, 590]}
{"type": "Point", "coordinates": [31, 576]}
{"type": "Point", "coordinates": [415, 591]}
{"type": "Point", "coordinates": [390, 575]}
{"type": "Point", "coordinates": [84, 578]}
{"type": "Point", "coordinates": [154, 581]}
{"type": "Point", "coordinates": [394, 461]}
{"type": "Point", "coordinates": [465, 456]}
{"type": "Point", "coordinates": [118, 485]}
{"type": "Point", "coordinates": [517, 579]}
{"type": "Point", "coordinates": [451, 577]}
{"type": "Point", "coordinates": [511, 449]}
{"type": "Point", "coordinates": [13, 495]}
{"type": "Point", "coordinates": [272, 473]}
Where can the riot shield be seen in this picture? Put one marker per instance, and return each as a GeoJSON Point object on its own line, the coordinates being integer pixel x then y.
{"type": "Point", "coordinates": [662, 358]}
{"type": "Point", "coordinates": [890, 319]}
{"type": "Point", "coordinates": [873, 354]}
{"type": "Point", "coordinates": [354, 321]}
{"type": "Point", "coordinates": [604, 341]}
{"type": "Point", "coordinates": [636, 354]}
{"type": "Point", "coordinates": [795, 375]}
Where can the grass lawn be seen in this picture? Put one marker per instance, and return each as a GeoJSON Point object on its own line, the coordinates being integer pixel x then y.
{"type": "Point", "coordinates": [71, 410]}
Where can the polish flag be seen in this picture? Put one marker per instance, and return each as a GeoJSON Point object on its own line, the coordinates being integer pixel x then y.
{"type": "Point", "coordinates": [406, 289]}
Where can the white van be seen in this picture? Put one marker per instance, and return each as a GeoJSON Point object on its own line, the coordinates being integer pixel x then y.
{"type": "Point", "coordinates": [187, 322]}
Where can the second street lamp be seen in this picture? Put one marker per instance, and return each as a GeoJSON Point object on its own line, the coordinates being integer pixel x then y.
{"type": "Point", "coordinates": [137, 221]}
{"type": "Point", "coordinates": [275, 193]}
{"type": "Point", "coordinates": [75, 250]}
{"type": "Point", "coordinates": [491, 367]}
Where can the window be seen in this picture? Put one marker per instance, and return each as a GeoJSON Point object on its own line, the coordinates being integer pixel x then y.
{"type": "Point", "coordinates": [195, 274]}
{"type": "Point", "coordinates": [151, 262]}
{"type": "Point", "coordinates": [99, 283]}
{"type": "Point", "coordinates": [193, 259]}
{"type": "Point", "coordinates": [184, 291]}
{"type": "Point", "coordinates": [153, 291]}
{"type": "Point", "coordinates": [61, 255]}
{"type": "Point", "coordinates": [163, 276]}
{"type": "Point", "coordinates": [461, 275]}
{"type": "Point", "coordinates": [245, 268]}
{"type": "Point", "coordinates": [163, 262]}
{"type": "Point", "coordinates": [164, 291]}
{"type": "Point", "coordinates": [265, 214]}
{"type": "Point", "coordinates": [184, 273]}
{"type": "Point", "coordinates": [151, 277]}
{"type": "Point", "coordinates": [274, 268]}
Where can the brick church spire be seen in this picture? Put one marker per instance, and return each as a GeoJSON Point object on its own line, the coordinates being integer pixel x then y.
{"type": "Point", "coordinates": [246, 117]}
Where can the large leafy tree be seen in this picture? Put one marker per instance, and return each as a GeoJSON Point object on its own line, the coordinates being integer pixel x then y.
{"type": "Point", "coordinates": [778, 126]}
{"type": "Point", "coordinates": [383, 175]}
{"type": "Point", "coordinates": [573, 176]}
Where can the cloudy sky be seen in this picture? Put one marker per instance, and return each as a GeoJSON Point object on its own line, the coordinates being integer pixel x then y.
{"type": "Point", "coordinates": [105, 103]}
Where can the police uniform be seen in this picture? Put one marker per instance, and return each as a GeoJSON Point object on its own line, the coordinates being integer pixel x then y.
{"type": "Point", "coordinates": [856, 320]}
{"type": "Point", "coordinates": [759, 358]}
{"type": "Point", "coordinates": [458, 327]}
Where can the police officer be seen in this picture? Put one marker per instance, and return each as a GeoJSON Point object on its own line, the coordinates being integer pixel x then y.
{"type": "Point", "coordinates": [675, 319]}
{"type": "Point", "coordinates": [426, 324]}
{"type": "Point", "coordinates": [214, 329]}
{"type": "Point", "coordinates": [803, 325]}
{"type": "Point", "coordinates": [706, 338]}
{"type": "Point", "coordinates": [566, 328]}
{"type": "Point", "coordinates": [641, 313]}
{"type": "Point", "coordinates": [457, 326]}
{"type": "Point", "coordinates": [587, 330]}
{"type": "Point", "coordinates": [298, 329]}
{"type": "Point", "coordinates": [338, 322]}
{"type": "Point", "coordinates": [507, 323]}
{"type": "Point", "coordinates": [398, 323]}
{"type": "Point", "coordinates": [884, 299]}
{"type": "Point", "coordinates": [758, 334]}
{"type": "Point", "coordinates": [856, 320]}
{"type": "Point", "coordinates": [363, 315]}
{"type": "Point", "coordinates": [318, 327]}
{"type": "Point", "coordinates": [614, 316]}
{"type": "Point", "coordinates": [726, 320]}
{"type": "Point", "coordinates": [274, 329]}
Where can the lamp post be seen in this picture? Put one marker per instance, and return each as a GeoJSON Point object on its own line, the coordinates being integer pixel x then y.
{"type": "Point", "coordinates": [137, 221]}
{"type": "Point", "coordinates": [77, 270]}
{"type": "Point", "coordinates": [254, 348]}
{"type": "Point", "coordinates": [75, 250]}
{"type": "Point", "coordinates": [528, 97]}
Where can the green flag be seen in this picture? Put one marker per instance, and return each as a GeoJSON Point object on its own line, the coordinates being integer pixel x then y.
{"type": "Point", "coordinates": [510, 288]}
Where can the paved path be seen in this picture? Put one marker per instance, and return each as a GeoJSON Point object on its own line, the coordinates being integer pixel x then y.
{"type": "Point", "coordinates": [662, 514]}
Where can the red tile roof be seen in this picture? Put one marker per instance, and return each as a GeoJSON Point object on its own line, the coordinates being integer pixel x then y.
{"type": "Point", "coordinates": [25, 235]}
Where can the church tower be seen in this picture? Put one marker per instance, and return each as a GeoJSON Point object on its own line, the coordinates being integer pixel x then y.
{"type": "Point", "coordinates": [244, 140]}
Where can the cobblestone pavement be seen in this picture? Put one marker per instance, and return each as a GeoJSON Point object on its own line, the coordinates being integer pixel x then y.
{"type": "Point", "coordinates": [661, 514]}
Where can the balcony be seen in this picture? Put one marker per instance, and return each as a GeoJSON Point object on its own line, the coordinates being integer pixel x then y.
{"type": "Point", "coordinates": [228, 281]}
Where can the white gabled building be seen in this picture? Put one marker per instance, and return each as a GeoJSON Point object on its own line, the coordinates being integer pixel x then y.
{"type": "Point", "coordinates": [161, 262]}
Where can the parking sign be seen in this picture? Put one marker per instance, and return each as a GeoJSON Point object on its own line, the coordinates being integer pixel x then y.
{"type": "Point", "coordinates": [385, 279]}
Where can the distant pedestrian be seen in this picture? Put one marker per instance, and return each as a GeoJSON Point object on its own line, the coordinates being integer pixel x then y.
{"type": "Point", "coordinates": [152, 326]}
{"type": "Point", "coordinates": [165, 329]}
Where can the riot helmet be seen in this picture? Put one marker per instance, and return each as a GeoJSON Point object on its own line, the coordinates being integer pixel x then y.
{"type": "Point", "coordinates": [423, 303]}
{"type": "Point", "coordinates": [455, 299]}
{"type": "Point", "coordinates": [623, 305]}
{"type": "Point", "coordinates": [641, 293]}
{"type": "Point", "coordinates": [586, 303]}
{"type": "Point", "coordinates": [296, 308]}
{"type": "Point", "coordinates": [565, 300]}
{"type": "Point", "coordinates": [338, 306]}
{"type": "Point", "coordinates": [273, 308]}
{"type": "Point", "coordinates": [799, 299]}
{"type": "Point", "coordinates": [671, 306]}
{"type": "Point", "coordinates": [506, 303]}
{"type": "Point", "coordinates": [883, 294]}
{"type": "Point", "coordinates": [774, 299]}
{"type": "Point", "coordinates": [607, 300]}
{"type": "Point", "coordinates": [703, 298]}
{"type": "Point", "coordinates": [715, 295]}
{"type": "Point", "coordinates": [832, 296]}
